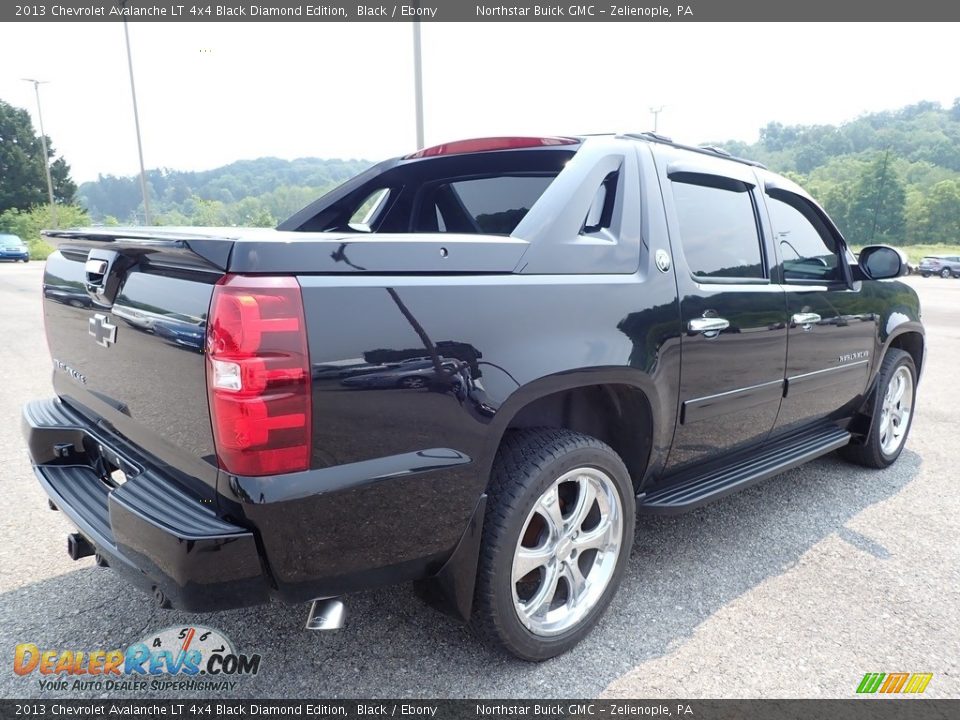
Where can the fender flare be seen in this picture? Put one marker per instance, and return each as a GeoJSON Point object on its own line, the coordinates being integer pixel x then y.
{"type": "Point", "coordinates": [662, 409]}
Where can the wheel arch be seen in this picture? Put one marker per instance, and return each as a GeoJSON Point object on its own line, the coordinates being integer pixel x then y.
{"type": "Point", "coordinates": [910, 338]}
{"type": "Point", "coordinates": [618, 406]}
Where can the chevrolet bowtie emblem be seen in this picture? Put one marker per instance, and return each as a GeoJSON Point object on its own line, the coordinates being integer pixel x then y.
{"type": "Point", "coordinates": [102, 330]}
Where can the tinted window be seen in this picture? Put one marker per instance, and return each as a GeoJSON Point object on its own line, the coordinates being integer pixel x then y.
{"type": "Point", "coordinates": [370, 210]}
{"type": "Point", "coordinates": [718, 230]}
{"type": "Point", "coordinates": [807, 247]}
{"type": "Point", "coordinates": [490, 205]}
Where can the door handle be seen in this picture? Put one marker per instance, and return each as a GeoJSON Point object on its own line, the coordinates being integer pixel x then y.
{"type": "Point", "coordinates": [805, 320]}
{"type": "Point", "coordinates": [708, 326]}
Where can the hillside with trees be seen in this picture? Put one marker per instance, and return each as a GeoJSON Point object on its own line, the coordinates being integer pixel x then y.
{"type": "Point", "coordinates": [248, 192]}
{"type": "Point", "coordinates": [889, 176]}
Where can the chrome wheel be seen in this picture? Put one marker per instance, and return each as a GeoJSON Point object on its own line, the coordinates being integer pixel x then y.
{"type": "Point", "coordinates": [895, 411]}
{"type": "Point", "coordinates": [567, 552]}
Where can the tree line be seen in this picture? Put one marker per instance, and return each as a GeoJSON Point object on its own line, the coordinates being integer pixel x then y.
{"type": "Point", "coordinates": [891, 176]}
{"type": "Point", "coordinates": [258, 192]}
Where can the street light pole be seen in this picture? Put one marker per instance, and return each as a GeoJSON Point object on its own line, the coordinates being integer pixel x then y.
{"type": "Point", "coordinates": [136, 122]}
{"type": "Point", "coordinates": [418, 82]}
{"type": "Point", "coordinates": [656, 115]}
{"type": "Point", "coordinates": [43, 143]}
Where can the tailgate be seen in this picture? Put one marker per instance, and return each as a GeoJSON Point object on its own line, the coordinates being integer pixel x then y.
{"type": "Point", "coordinates": [125, 320]}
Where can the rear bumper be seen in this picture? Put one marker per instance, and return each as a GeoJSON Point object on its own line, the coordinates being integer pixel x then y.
{"type": "Point", "coordinates": [317, 534]}
{"type": "Point", "coordinates": [149, 528]}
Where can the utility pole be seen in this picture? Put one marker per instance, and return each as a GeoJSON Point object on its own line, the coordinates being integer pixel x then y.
{"type": "Point", "coordinates": [43, 143]}
{"type": "Point", "coordinates": [879, 200]}
{"type": "Point", "coordinates": [655, 111]}
{"type": "Point", "coordinates": [136, 122]}
{"type": "Point", "coordinates": [418, 82]}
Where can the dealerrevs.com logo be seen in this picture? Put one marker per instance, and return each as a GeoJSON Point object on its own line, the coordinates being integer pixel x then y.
{"type": "Point", "coordinates": [174, 659]}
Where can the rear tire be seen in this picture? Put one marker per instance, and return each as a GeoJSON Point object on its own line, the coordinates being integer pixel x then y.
{"type": "Point", "coordinates": [560, 506]}
{"type": "Point", "coordinates": [924, 274]}
{"type": "Point", "coordinates": [946, 274]}
{"type": "Point", "coordinates": [892, 414]}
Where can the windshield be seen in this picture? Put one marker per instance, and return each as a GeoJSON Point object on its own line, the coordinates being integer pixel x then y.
{"type": "Point", "coordinates": [10, 240]}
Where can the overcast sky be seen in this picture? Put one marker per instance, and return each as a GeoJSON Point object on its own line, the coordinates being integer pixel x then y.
{"type": "Point", "coordinates": [211, 93]}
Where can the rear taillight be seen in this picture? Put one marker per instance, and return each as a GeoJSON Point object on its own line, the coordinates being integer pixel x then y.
{"type": "Point", "coordinates": [258, 375]}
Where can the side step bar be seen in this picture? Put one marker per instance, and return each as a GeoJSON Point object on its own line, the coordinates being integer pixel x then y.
{"type": "Point", "coordinates": [714, 481]}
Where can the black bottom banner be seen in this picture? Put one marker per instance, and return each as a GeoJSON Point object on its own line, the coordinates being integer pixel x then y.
{"type": "Point", "coordinates": [854, 709]}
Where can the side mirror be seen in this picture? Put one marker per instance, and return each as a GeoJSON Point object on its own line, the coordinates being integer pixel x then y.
{"type": "Point", "coordinates": [881, 262]}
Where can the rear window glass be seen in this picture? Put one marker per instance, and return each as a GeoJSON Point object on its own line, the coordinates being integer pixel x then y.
{"type": "Point", "coordinates": [489, 205]}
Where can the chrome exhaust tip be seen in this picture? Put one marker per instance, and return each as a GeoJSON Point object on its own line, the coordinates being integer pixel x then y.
{"type": "Point", "coordinates": [326, 614]}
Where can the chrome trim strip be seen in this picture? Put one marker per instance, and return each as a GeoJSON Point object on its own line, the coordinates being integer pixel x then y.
{"type": "Point", "coordinates": [733, 392]}
{"type": "Point", "coordinates": [845, 366]}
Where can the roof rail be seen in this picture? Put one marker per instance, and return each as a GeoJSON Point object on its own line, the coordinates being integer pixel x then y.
{"type": "Point", "coordinates": [717, 150]}
{"type": "Point", "coordinates": [702, 149]}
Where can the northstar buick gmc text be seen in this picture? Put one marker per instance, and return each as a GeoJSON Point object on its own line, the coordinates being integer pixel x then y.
{"type": "Point", "coordinates": [470, 368]}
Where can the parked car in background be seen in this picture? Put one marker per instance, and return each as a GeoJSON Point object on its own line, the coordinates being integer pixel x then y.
{"type": "Point", "coordinates": [943, 265]}
{"type": "Point", "coordinates": [13, 248]}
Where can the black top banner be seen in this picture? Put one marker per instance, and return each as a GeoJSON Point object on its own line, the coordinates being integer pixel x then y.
{"type": "Point", "coordinates": [472, 11]}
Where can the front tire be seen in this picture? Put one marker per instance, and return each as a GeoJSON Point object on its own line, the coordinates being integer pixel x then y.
{"type": "Point", "coordinates": [892, 413]}
{"type": "Point", "coordinates": [946, 273]}
{"type": "Point", "coordinates": [556, 540]}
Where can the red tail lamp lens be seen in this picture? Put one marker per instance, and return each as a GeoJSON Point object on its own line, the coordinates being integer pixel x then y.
{"type": "Point", "coordinates": [258, 375]}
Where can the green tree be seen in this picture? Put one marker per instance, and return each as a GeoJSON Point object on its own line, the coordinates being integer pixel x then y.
{"type": "Point", "coordinates": [28, 224]}
{"type": "Point", "coordinates": [935, 216]}
{"type": "Point", "coordinates": [836, 201]}
{"type": "Point", "coordinates": [209, 213]}
{"type": "Point", "coordinates": [64, 188]}
{"type": "Point", "coordinates": [250, 212]}
{"type": "Point", "coordinates": [23, 179]}
{"type": "Point", "coordinates": [877, 211]}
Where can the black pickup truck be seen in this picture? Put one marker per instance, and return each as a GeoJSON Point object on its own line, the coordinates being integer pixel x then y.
{"type": "Point", "coordinates": [471, 368]}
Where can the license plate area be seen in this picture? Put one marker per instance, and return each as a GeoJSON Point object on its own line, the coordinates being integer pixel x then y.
{"type": "Point", "coordinates": [113, 468]}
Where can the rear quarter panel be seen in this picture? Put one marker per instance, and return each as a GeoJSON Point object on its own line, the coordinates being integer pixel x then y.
{"type": "Point", "coordinates": [397, 472]}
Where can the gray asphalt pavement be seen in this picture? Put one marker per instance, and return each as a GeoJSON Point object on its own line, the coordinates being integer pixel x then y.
{"type": "Point", "coordinates": [794, 588]}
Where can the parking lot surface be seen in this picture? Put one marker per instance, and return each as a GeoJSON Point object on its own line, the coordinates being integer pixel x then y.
{"type": "Point", "coordinates": [794, 588]}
